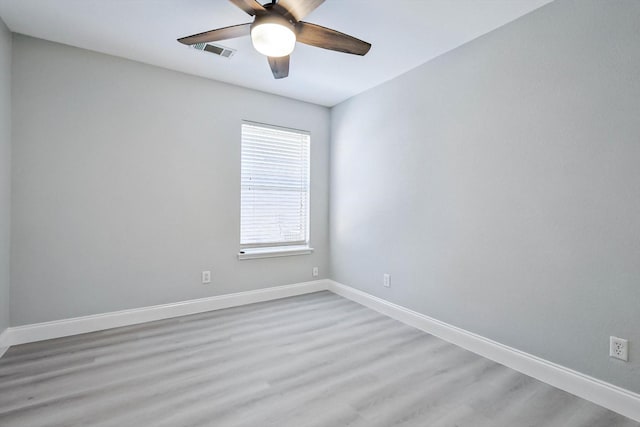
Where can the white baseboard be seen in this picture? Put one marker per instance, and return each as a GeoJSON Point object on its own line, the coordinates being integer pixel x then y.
{"type": "Point", "coordinates": [80, 325]}
{"type": "Point", "coordinates": [612, 397]}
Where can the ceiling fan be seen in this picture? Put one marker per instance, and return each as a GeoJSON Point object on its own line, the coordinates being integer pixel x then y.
{"type": "Point", "coordinates": [276, 28]}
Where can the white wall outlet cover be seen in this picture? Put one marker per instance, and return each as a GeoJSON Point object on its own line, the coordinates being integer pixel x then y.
{"type": "Point", "coordinates": [386, 280]}
{"type": "Point", "coordinates": [315, 272]}
{"type": "Point", "coordinates": [206, 277]}
{"type": "Point", "coordinates": [619, 348]}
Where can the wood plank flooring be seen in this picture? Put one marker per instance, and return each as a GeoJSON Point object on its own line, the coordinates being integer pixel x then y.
{"type": "Point", "coordinates": [311, 360]}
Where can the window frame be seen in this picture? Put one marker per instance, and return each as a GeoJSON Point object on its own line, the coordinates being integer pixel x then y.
{"type": "Point", "coordinates": [277, 249]}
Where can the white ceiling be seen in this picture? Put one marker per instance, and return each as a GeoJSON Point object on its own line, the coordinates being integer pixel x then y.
{"type": "Point", "coordinates": [404, 34]}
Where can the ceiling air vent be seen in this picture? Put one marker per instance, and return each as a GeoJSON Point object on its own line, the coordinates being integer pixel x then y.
{"type": "Point", "coordinates": [225, 52]}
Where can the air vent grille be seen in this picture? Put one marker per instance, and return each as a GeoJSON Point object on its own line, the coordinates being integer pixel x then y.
{"type": "Point", "coordinates": [223, 51]}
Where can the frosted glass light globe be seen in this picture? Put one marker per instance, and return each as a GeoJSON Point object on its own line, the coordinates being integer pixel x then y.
{"type": "Point", "coordinates": [273, 39]}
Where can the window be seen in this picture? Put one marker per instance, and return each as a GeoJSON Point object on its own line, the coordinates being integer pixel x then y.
{"type": "Point", "coordinates": [274, 211]}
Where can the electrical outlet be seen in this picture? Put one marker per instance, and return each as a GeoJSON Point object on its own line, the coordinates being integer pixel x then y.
{"type": "Point", "coordinates": [386, 280]}
{"type": "Point", "coordinates": [315, 272]}
{"type": "Point", "coordinates": [206, 277]}
{"type": "Point", "coordinates": [619, 348]}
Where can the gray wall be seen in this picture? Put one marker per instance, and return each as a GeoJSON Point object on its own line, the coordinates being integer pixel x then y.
{"type": "Point", "coordinates": [126, 184]}
{"type": "Point", "coordinates": [5, 171]}
{"type": "Point", "coordinates": [499, 185]}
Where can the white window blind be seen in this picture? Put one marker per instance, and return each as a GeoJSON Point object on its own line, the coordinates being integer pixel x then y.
{"type": "Point", "coordinates": [275, 186]}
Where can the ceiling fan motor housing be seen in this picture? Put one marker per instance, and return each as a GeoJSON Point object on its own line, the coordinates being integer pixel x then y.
{"type": "Point", "coordinates": [272, 18]}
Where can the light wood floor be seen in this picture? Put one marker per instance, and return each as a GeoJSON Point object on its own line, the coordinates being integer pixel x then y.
{"type": "Point", "coordinates": [312, 360]}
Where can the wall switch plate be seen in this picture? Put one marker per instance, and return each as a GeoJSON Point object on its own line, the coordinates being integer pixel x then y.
{"type": "Point", "coordinates": [206, 277]}
{"type": "Point", "coordinates": [619, 348]}
{"type": "Point", "coordinates": [386, 280]}
{"type": "Point", "coordinates": [315, 272]}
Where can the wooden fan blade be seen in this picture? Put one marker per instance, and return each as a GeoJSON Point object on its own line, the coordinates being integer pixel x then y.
{"type": "Point", "coordinates": [252, 7]}
{"type": "Point", "coordinates": [296, 9]}
{"type": "Point", "coordinates": [326, 38]}
{"type": "Point", "coordinates": [219, 34]}
{"type": "Point", "coordinates": [279, 66]}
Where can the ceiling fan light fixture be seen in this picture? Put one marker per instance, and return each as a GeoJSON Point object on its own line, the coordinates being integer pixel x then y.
{"type": "Point", "coordinates": [275, 30]}
{"type": "Point", "coordinates": [273, 36]}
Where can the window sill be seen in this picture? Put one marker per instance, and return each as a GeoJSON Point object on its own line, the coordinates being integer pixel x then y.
{"type": "Point", "coordinates": [272, 252]}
